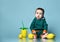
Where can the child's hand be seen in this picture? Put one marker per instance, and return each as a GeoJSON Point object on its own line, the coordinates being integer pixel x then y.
{"type": "Point", "coordinates": [44, 35]}
{"type": "Point", "coordinates": [44, 31]}
{"type": "Point", "coordinates": [33, 31]}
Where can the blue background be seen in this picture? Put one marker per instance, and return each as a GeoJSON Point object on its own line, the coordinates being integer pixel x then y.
{"type": "Point", "coordinates": [12, 12]}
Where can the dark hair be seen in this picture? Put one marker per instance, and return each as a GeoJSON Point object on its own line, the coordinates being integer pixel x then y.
{"type": "Point", "coordinates": [42, 10]}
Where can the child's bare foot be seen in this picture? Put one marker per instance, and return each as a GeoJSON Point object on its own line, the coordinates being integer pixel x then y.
{"type": "Point", "coordinates": [35, 36]}
{"type": "Point", "coordinates": [44, 35]}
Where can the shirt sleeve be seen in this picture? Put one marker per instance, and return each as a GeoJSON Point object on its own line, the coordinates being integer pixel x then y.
{"type": "Point", "coordinates": [45, 25]}
{"type": "Point", "coordinates": [32, 26]}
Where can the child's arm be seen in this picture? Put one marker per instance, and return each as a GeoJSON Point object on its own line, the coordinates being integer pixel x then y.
{"type": "Point", "coordinates": [32, 26]}
{"type": "Point", "coordinates": [45, 27]}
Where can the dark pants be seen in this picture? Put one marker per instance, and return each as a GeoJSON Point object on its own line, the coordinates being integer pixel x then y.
{"type": "Point", "coordinates": [39, 33]}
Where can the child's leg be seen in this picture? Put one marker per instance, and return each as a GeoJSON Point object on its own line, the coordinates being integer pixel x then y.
{"type": "Point", "coordinates": [39, 32]}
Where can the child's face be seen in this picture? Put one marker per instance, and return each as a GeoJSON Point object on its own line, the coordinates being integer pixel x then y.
{"type": "Point", "coordinates": [39, 14]}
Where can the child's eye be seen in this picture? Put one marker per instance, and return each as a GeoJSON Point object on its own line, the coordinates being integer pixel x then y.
{"type": "Point", "coordinates": [41, 13]}
{"type": "Point", "coordinates": [37, 12]}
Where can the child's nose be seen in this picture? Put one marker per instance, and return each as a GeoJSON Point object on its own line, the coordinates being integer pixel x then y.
{"type": "Point", "coordinates": [38, 15]}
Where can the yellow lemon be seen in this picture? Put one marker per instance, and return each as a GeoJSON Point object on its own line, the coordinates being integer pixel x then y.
{"type": "Point", "coordinates": [30, 36]}
{"type": "Point", "coordinates": [50, 36]}
{"type": "Point", "coordinates": [24, 31]}
{"type": "Point", "coordinates": [24, 35]}
{"type": "Point", "coordinates": [20, 36]}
